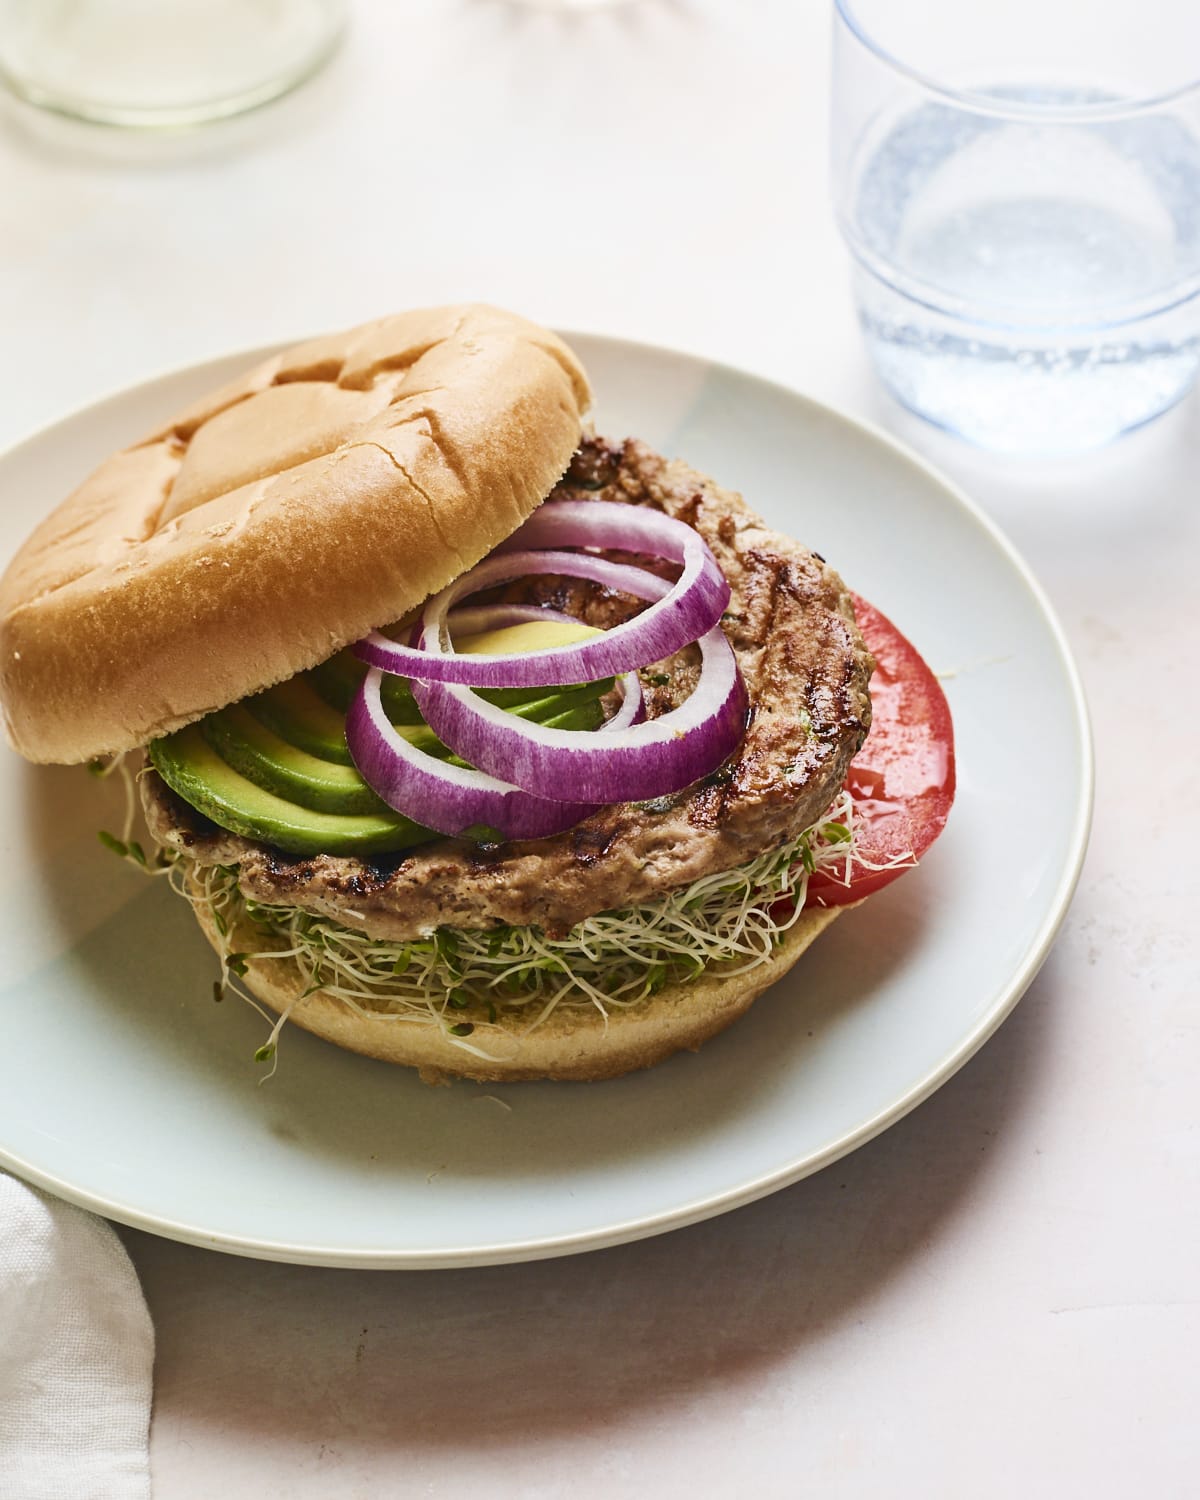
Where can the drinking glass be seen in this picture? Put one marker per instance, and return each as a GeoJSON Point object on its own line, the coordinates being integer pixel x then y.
{"type": "Point", "coordinates": [162, 62]}
{"type": "Point", "coordinates": [1018, 182]}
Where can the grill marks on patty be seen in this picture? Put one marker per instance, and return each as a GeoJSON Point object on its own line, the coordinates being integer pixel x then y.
{"type": "Point", "coordinates": [791, 623]}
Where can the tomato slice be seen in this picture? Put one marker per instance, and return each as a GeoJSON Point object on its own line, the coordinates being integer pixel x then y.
{"type": "Point", "coordinates": [902, 780]}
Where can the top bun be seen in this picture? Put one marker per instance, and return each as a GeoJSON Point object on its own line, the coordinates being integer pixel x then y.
{"type": "Point", "coordinates": [325, 493]}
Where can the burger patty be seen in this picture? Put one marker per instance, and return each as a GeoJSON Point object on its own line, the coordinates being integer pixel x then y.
{"type": "Point", "coordinates": [791, 623]}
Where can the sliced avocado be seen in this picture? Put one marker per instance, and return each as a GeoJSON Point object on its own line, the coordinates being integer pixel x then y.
{"type": "Point", "coordinates": [192, 768]}
{"type": "Point", "coordinates": [586, 714]}
{"type": "Point", "coordinates": [529, 635]}
{"type": "Point", "coordinates": [270, 762]}
{"type": "Point", "coordinates": [338, 679]}
{"type": "Point", "coordinates": [542, 710]}
{"type": "Point", "coordinates": [297, 713]}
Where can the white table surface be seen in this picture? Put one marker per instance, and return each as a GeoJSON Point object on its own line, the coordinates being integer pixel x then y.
{"type": "Point", "coordinates": [999, 1297]}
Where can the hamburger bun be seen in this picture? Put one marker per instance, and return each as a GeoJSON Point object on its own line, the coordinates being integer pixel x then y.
{"type": "Point", "coordinates": [575, 1044]}
{"type": "Point", "coordinates": [322, 495]}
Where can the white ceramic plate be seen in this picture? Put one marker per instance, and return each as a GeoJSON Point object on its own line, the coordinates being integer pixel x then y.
{"type": "Point", "coordinates": [124, 1088]}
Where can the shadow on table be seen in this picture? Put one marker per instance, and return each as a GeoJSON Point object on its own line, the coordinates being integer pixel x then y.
{"type": "Point", "coordinates": [1042, 501]}
{"type": "Point", "coordinates": [482, 1358]}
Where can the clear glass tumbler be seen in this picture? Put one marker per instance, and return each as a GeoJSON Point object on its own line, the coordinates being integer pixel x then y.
{"type": "Point", "coordinates": [1018, 182]}
{"type": "Point", "coordinates": [155, 63]}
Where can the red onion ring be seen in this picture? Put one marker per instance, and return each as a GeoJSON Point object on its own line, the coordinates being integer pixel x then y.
{"type": "Point", "coordinates": [650, 759]}
{"type": "Point", "coordinates": [685, 611]}
{"type": "Point", "coordinates": [611, 524]}
{"type": "Point", "coordinates": [515, 761]}
{"type": "Point", "coordinates": [451, 798]}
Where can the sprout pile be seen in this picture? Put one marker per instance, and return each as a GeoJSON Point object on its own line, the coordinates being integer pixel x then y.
{"type": "Point", "coordinates": [466, 981]}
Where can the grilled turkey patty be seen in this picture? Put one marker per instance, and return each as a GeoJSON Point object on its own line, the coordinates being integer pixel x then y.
{"type": "Point", "coordinates": [806, 667]}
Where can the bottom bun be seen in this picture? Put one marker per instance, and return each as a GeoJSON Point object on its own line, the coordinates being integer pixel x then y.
{"type": "Point", "coordinates": [572, 1043]}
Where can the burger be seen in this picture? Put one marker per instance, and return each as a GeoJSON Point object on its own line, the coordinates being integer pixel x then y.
{"type": "Point", "coordinates": [477, 742]}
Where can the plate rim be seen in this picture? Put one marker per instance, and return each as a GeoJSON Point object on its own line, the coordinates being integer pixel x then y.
{"type": "Point", "coordinates": [696, 1210]}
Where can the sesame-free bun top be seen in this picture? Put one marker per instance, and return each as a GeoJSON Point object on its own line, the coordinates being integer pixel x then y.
{"type": "Point", "coordinates": [325, 493]}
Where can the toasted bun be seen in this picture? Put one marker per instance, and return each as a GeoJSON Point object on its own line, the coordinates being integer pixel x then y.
{"type": "Point", "coordinates": [325, 493]}
{"type": "Point", "coordinates": [571, 1044]}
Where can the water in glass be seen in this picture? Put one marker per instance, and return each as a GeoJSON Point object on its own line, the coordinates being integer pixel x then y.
{"type": "Point", "coordinates": [1030, 284]}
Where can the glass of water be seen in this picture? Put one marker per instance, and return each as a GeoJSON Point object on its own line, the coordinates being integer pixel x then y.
{"type": "Point", "coordinates": [1018, 182]}
{"type": "Point", "coordinates": [162, 63]}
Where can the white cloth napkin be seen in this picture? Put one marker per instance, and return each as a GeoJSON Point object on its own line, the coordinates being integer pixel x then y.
{"type": "Point", "coordinates": [76, 1355]}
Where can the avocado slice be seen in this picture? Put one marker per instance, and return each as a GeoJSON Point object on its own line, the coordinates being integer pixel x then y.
{"type": "Point", "coordinates": [338, 679]}
{"type": "Point", "coordinates": [528, 635]}
{"type": "Point", "coordinates": [192, 768]}
{"type": "Point", "coordinates": [297, 713]}
{"type": "Point", "coordinates": [262, 757]}
{"type": "Point", "coordinates": [586, 713]}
